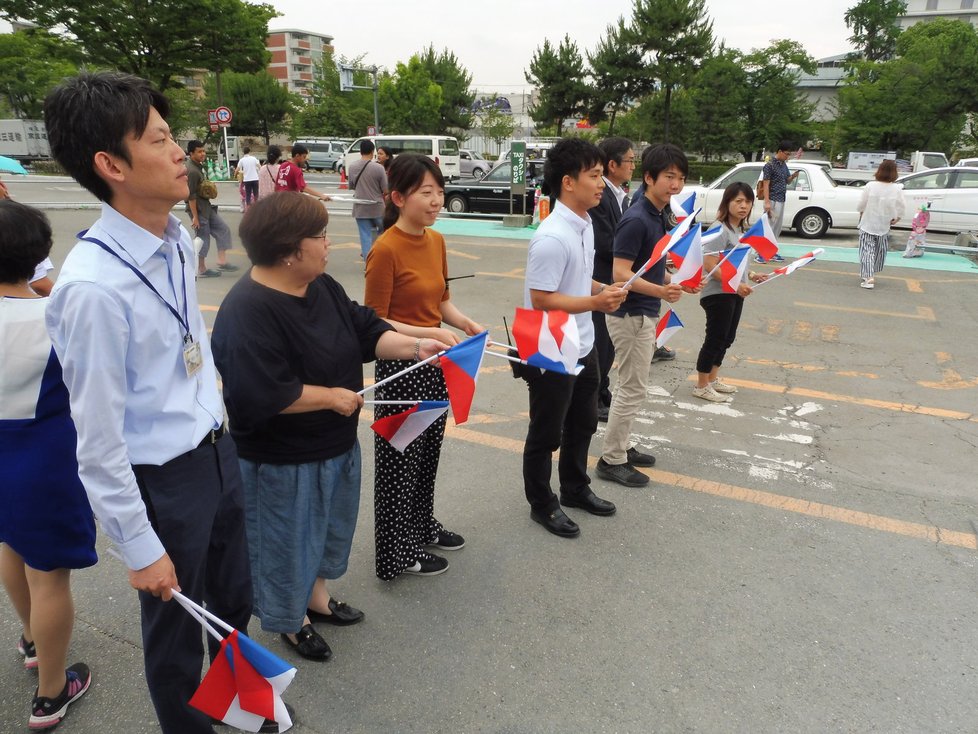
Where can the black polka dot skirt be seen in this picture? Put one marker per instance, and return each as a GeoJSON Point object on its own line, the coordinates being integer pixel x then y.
{"type": "Point", "coordinates": [404, 483]}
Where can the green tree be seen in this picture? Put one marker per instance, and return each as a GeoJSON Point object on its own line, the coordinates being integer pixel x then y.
{"type": "Point", "coordinates": [261, 105]}
{"type": "Point", "coordinates": [616, 68]}
{"type": "Point", "coordinates": [920, 99]}
{"type": "Point", "coordinates": [774, 109]}
{"type": "Point", "coordinates": [162, 40]}
{"type": "Point", "coordinates": [719, 95]}
{"type": "Point", "coordinates": [410, 99]}
{"type": "Point", "coordinates": [496, 124]}
{"type": "Point", "coordinates": [673, 37]}
{"type": "Point", "coordinates": [32, 62]}
{"type": "Point", "coordinates": [329, 111]}
{"type": "Point", "coordinates": [646, 122]}
{"type": "Point", "coordinates": [456, 88]}
{"type": "Point", "coordinates": [558, 74]}
{"type": "Point", "coordinates": [875, 27]}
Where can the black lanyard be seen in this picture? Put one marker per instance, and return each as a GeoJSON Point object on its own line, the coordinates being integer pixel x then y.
{"type": "Point", "coordinates": [184, 320]}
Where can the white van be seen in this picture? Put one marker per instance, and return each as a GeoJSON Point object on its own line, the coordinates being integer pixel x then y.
{"type": "Point", "coordinates": [442, 149]}
{"type": "Point", "coordinates": [325, 154]}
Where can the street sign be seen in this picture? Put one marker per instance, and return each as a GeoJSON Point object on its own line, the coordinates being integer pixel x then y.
{"type": "Point", "coordinates": [517, 177]}
{"type": "Point", "coordinates": [223, 115]}
{"type": "Point", "coordinates": [371, 130]}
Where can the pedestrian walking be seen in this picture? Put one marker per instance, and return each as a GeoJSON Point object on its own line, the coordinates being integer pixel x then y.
{"type": "Point", "coordinates": [204, 217]}
{"type": "Point", "coordinates": [880, 207]}
{"type": "Point", "coordinates": [248, 169]}
{"type": "Point", "coordinates": [368, 179]}
{"type": "Point", "coordinates": [775, 178]}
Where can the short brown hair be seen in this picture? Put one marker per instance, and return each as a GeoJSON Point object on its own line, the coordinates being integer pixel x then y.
{"type": "Point", "coordinates": [887, 172]}
{"type": "Point", "coordinates": [273, 226]}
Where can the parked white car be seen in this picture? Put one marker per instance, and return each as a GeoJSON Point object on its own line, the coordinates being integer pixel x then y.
{"type": "Point", "coordinates": [814, 201]}
{"type": "Point", "coordinates": [952, 193]}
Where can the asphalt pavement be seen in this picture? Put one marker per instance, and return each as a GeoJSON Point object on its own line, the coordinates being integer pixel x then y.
{"type": "Point", "coordinates": [804, 559]}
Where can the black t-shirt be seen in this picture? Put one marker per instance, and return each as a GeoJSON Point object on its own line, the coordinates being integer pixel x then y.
{"type": "Point", "coordinates": [640, 228]}
{"type": "Point", "coordinates": [268, 344]}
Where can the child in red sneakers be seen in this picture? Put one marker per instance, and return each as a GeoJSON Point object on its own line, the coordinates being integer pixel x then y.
{"type": "Point", "coordinates": [46, 524]}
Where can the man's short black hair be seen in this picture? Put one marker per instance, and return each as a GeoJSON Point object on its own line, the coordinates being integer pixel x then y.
{"type": "Point", "coordinates": [246, 150]}
{"type": "Point", "coordinates": [786, 145]}
{"type": "Point", "coordinates": [614, 149]}
{"type": "Point", "coordinates": [94, 112]}
{"type": "Point", "coordinates": [193, 145]}
{"type": "Point", "coordinates": [366, 147]}
{"type": "Point", "coordinates": [25, 240]}
{"type": "Point", "coordinates": [661, 157]}
{"type": "Point", "coordinates": [299, 149]}
{"type": "Point", "coordinates": [568, 157]}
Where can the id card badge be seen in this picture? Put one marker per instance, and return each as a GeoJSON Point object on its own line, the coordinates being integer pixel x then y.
{"type": "Point", "coordinates": [192, 358]}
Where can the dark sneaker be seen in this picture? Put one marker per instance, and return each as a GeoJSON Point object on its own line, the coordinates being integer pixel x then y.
{"type": "Point", "coordinates": [777, 258]}
{"type": "Point", "coordinates": [427, 564]}
{"type": "Point", "coordinates": [448, 540]}
{"type": "Point", "coordinates": [639, 458]}
{"type": "Point", "coordinates": [228, 268]}
{"type": "Point", "coordinates": [209, 274]}
{"type": "Point", "coordinates": [603, 413]}
{"type": "Point", "coordinates": [759, 259]}
{"type": "Point", "coordinates": [47, 713]}
{"type": "Point", "coordinates": [26, 649]}
{"type": "Point", "coordinates": [663, 354]}
{"type": "Point", "coordinates": [621, 473]}
{"type": "Point", "coordinates": [268, 726]}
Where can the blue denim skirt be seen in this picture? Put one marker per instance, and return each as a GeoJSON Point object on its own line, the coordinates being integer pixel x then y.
{"type": "Point", "coordinates": [300, 520]}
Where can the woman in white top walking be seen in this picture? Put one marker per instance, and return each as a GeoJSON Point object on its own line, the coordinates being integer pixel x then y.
{"type": "Point", "coordinates": [880, 207]}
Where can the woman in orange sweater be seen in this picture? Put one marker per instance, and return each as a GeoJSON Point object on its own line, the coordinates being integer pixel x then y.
{"type": "Point", "coordinates": [407, 283]}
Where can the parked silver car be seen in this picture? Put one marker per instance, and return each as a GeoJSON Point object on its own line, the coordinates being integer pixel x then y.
{"type": "Point", "coordinates": [473, 164]}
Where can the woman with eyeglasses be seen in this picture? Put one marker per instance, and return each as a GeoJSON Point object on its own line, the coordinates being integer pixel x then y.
{"type": "Point", "coordinates": [290, 344]}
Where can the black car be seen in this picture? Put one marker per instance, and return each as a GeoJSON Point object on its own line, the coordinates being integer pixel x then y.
{"type": "Point", "coordinates": [490, 195]}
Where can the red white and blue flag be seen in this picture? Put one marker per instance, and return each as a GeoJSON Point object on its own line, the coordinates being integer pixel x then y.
{"type": "Point", "coordinates": [667, 325]}
{"type": "Point", "coordinates": [711, 234]}
{"type": "Point", "coordinates": [461, 364]}
{"type": "Point", "coordinates": [687, 256]}
{"type": "Point", "coordinates": [681, 207]}
{"type": "Point", "coordinates": [665, 243]}
{"type": "Point", "coordinates": [761, 237]}
{"type": "Point", "coordinates": [401, 429]}
{"type": "Point", "coordinates": [733, 267]}
{"type": "Point", "coordinates": [548, 340]}
{"type": "Point", "coordinates": [244, 685]}
{"type": "Point", "coordinates": [798, 263]}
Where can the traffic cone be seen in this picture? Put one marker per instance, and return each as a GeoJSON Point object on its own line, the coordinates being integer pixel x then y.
{"type": "Point", "coordinates": [343, 179]}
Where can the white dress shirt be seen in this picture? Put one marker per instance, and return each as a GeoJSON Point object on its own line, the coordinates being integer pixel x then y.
{"type": "Point", "coordinates": [122, 353]}
{"type": "Point", "coordinates": [618, 192]}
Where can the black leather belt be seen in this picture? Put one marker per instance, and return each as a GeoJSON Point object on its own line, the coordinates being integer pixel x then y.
{"type": "Point", "coordinates": [212, 436]}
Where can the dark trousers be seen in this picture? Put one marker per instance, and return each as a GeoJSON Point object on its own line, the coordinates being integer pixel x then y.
{"type": "Point", "coordinates": [251, 192]}
{"type": "Point", "coordinates": [605, 350]}
{"type": "Point", "coordinates": [563, 415]}
{"type": "Point", "coordinates": [722, 317]}
{"type": "Point", "coordinates": [196, 506]}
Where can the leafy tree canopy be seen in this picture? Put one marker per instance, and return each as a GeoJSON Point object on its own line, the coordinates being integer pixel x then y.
{"type": "Point", "coordinates": [874, 25]}
{"type": "Point", "coordinates": [32, 62]}
{"type": "Point", "coordinates": [558, 74]}
{"type": "Point", "coordinates": [455, 82]}
{"type": "Point", "coordinates": [410, 99]}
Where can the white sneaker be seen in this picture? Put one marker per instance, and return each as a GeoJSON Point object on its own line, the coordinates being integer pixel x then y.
{"type": "Point", "coordinates": [868, 284]}
{"type": "Point", "coordinates": [722, 387]}
{"type": "Point", "coordinates": [708, 393]}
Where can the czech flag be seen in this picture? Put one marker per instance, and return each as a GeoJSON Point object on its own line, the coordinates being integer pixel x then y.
{"type": "Point", "coordinates": [687, 255]}
{"type": "Point", "coordinates": [244, 685]}
{"type": "Point", "coordinates": [401, 429]}
{"type": "Point", "coordinates": [682, 208]}
{"type": "Point", "coordinates": [761, 237]}
{"type": "Point", "coordinates": [732, 268]}
{"type": "Point", "coordinates": [668, 240]}
{"type": "Point", "coordinates": [461, 366]}
{"type": "Point", "coordinates": [548, 340]}
{"type": "Point", "coordinates": [798, 263]}
{"type": "Point", "coordinates": [711, 234]}
{"type": "Point", "coordinates": [668, 325]}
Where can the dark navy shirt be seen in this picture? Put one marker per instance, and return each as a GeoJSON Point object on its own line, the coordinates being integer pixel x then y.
{"type": "Point", "coordinates": [640, 227]}
{"type": "Point", "coordinates": [775, 172]}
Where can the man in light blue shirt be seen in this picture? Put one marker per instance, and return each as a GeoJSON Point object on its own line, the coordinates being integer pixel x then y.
{"type": "Point", "coordinates": [161, 476]}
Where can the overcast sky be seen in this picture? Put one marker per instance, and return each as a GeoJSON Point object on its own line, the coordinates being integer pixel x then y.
{"type": "Point", "coordinates": [495, 39]}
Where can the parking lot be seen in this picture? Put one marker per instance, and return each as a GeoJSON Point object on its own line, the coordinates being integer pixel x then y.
{"type": "Point", "coordinates": [803, 560]}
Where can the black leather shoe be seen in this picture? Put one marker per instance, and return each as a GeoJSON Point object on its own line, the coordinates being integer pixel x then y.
{"type": "Point", "coordinates": [342, 614]}
{"type": "Point", "coordinates": [268, 726]}
{"type": "Point", "coordinates": [589, 502]}
{"type": "Point", "coordinates": [557, 523]}
{"type": "Point", "coordinates": [310, 644]}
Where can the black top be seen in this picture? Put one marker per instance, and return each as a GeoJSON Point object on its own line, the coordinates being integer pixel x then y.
{"type": "Point", "coordinates": [604, 219]}
{"type": "Point", "coordinates": [268, 344]}
{"type": "Point", "coordinates": [641, 226]}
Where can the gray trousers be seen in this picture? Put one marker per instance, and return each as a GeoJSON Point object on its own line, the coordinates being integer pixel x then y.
{"type": "Point", "coordinates": [213, 224]}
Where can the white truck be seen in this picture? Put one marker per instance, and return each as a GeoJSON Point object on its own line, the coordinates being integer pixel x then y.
{"type": "Point", "coordinates": [861, 165]}
{"type": "Point", "coordinates": [25, 140]}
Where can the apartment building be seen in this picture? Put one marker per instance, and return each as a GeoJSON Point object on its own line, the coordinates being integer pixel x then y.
{"type": "Point", "coordinates": [295, 57]}
{"type": "Point", "coordinates": [921, 11]}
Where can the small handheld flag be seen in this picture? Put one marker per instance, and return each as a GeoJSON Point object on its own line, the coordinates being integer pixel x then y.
{"type": "Point", "coordinates": [667, 325]}
{"type": "Point", "coordinates": [681, 207]}
{"type": "Point", "coordinates": [711, 234]}
{"type": "Point", "coordinates": [401, 429]}
{"type": "Point", "coordinates": [461, 366]}
{"type": "Point", "coordinates": [793, 265]}
{"type": "Point", "coordinates": [663, 246]}
{"type": "Point", "coordinates": [687, 255]}
{"type": "Point", "coordinates": [548, 340]}
{"type": "Point", "coordinates": [761, 237]}
{"type": "Point", "coordinates": [732, 268]}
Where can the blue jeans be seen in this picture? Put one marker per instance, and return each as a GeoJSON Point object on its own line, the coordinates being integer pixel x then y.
{"type": "Point", "coordinates": [369, 231]}
{"type": "Point", "coordinates": [300, 520]}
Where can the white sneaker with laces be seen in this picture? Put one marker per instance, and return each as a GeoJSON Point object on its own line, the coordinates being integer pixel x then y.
{"type": "Point", "coordinates": [722, 387]}
{"type": "Point", "coordinates": [708, 393]}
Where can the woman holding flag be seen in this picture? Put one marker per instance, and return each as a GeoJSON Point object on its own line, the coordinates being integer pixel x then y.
{"type": "Point", "coordinates": [406, 280]}
{"type": "Point", "coordinates": [722, 304]}
{"type": "Point", "coordinates": [289, 344]}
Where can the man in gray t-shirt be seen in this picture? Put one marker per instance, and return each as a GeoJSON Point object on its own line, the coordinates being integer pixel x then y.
{"type": "Point", "coordinates": [369, 182]}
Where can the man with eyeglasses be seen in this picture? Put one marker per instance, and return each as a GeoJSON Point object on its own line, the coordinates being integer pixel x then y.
{"type": "Point", "coordinates": [619, 165]}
